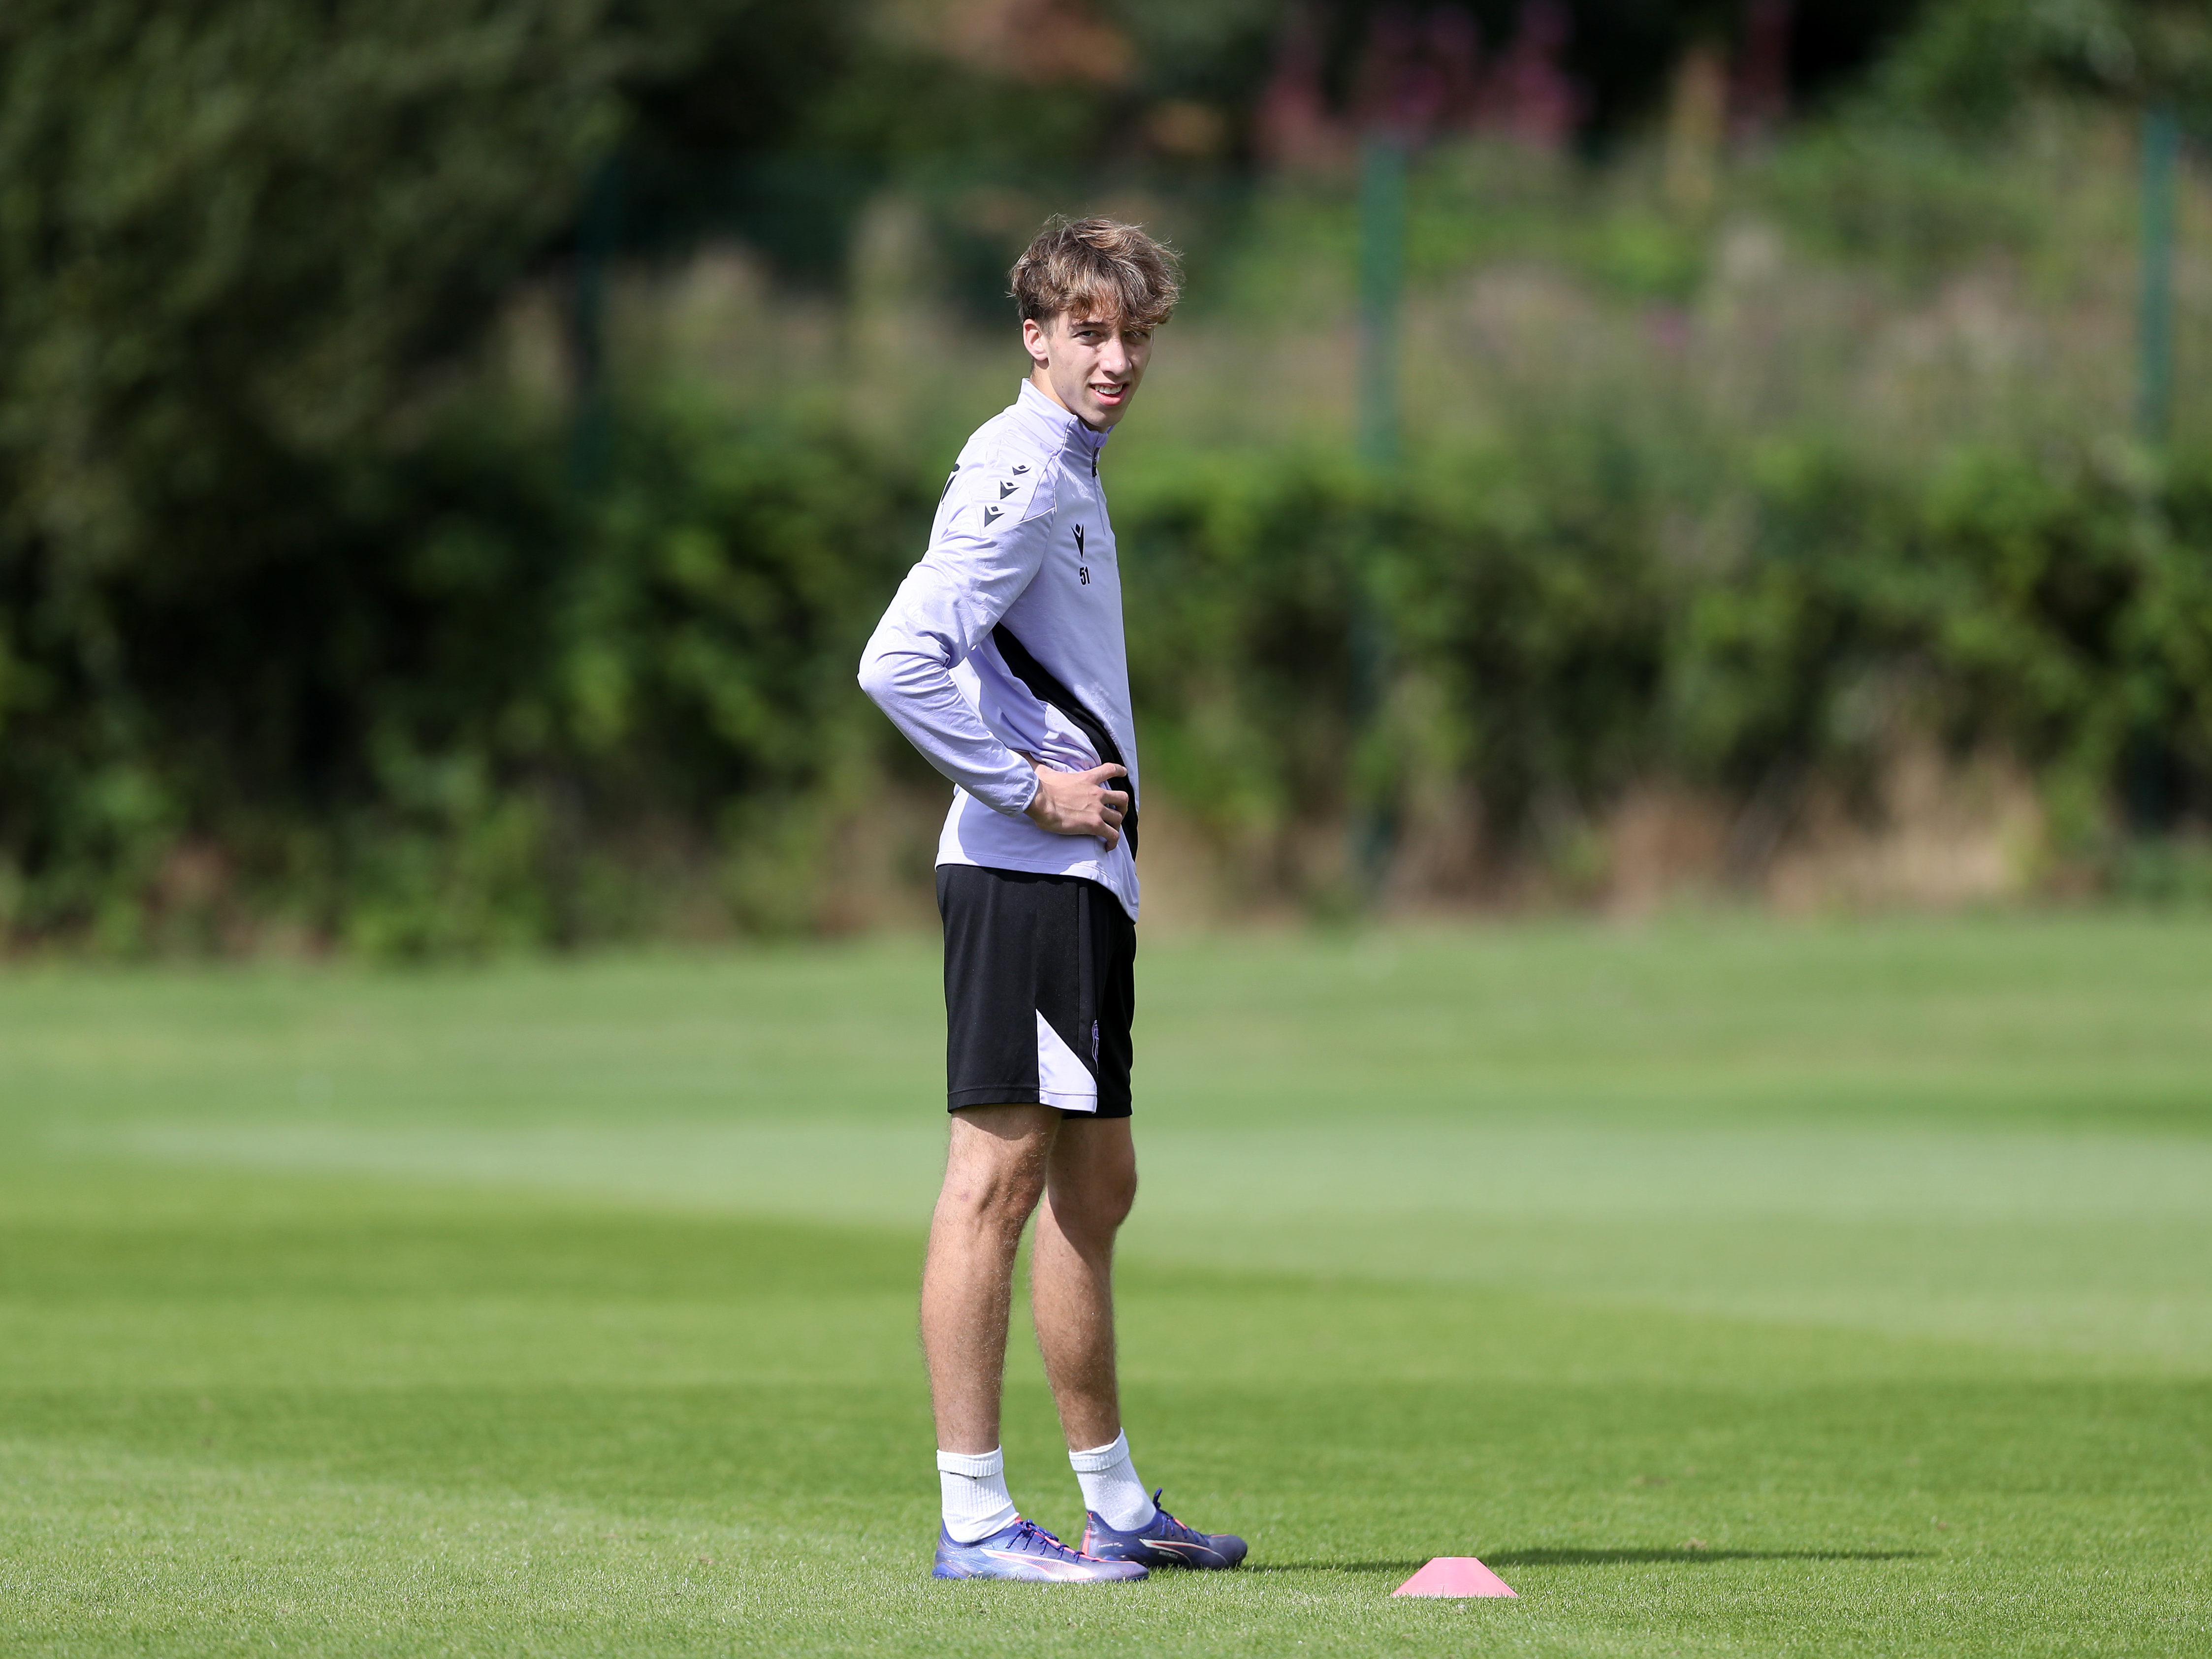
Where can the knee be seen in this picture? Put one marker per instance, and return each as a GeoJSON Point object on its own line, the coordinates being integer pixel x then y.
{"type": "Point", "coordinates": [1093, 1210]}
{"type": "Point", "coordinates": [997, 1197]}
{"type": "Point", "coordinates": [1119, 1197]}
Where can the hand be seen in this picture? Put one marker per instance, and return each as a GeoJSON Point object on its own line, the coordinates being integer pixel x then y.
{"type": "Point", "coordinates": [1078, 803]}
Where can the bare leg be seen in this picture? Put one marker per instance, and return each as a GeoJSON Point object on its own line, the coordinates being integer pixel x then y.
{"type": "Point", "coordinates": [1093, 1183]}
{"type": "Point", "coordinates": [994, 1170]}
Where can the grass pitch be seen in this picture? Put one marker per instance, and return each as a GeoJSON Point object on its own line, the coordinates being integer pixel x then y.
{"type": "Point", "coordinates": [1729, 1287]}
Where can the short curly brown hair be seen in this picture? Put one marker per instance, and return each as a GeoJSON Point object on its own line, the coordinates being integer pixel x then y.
{"type": "Point", "coordinates": [1109, 269]}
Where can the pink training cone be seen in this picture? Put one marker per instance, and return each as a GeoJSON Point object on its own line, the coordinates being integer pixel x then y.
{"type": "Point", "coordinates": [1455, 1574]}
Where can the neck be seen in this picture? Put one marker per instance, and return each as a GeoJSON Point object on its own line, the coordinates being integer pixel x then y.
{"type": "Point", "coordinates": [1043, 383]}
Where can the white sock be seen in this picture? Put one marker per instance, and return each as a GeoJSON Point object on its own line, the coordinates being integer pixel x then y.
{"type": "Point", "coordinates": [1111, 1490]}
{"type": "Point", "coordinates": [974, 1487]}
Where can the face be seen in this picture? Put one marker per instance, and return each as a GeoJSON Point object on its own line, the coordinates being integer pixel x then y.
{"type": "Point", "coordinates": [1090, 365]}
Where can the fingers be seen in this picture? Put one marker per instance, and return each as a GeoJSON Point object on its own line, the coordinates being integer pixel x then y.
{"type": "Point", "coordinates": [1099, 819]}
{"type": "Point", "coordinates": [1081, 803]}
{"type": "Point", "coordinates": [1099, 810]}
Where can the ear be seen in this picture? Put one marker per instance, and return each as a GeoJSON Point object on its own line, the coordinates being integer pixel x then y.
{"type": "Point", "coordinates": [1034, 341]}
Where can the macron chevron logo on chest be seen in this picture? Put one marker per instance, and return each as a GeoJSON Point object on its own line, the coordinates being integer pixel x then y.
{"type": "Point", "coordinates": [1079, 541]}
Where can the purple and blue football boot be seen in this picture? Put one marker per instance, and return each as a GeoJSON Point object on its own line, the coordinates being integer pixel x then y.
{"type": "Point", "coordinates": [1026, 1550]}
{"type": "Point", "coordinates": [1162, 1541]}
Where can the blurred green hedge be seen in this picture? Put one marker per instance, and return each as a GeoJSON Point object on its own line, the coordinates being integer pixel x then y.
{"type": "Point", "coordinates": [491, 714]}
{"type": "Point", "coordinates": [1546, 650]}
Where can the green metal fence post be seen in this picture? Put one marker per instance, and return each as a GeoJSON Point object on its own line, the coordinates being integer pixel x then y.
{"type": "Point", "coordinates": [1381, 278]}
{"type": "Point", "coordinates": [1382, 281]}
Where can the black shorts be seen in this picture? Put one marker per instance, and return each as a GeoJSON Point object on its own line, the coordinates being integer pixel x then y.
{"type": "Point", "coordinates": [1039, 988]}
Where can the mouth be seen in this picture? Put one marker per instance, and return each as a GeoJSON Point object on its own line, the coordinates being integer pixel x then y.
{"type": "Point", "coordinates": [1110, 394]}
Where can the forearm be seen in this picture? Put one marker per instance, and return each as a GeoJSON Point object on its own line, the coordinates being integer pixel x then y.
{"type": "Point", "coordinates": [917, 693]}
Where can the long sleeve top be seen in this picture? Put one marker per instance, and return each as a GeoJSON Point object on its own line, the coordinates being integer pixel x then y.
{"type": "Point", "coordinates": [1005, 640]}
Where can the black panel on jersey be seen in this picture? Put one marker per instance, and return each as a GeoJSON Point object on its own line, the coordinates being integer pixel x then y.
{"type": "Point", "coordinates": [1045, 687]}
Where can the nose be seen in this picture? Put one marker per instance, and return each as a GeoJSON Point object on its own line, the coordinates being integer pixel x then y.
{"type": "Point", "coordinates": [1114, 356]}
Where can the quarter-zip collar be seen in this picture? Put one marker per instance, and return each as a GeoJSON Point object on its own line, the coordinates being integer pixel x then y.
{"type": "Point", "coordinates": [1081, 442]}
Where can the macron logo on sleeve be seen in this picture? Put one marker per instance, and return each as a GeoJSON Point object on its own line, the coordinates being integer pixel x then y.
{"type": "Point", "coordinates": [991, 515]}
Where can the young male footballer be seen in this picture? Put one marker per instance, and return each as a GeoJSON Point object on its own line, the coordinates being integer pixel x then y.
{"type": "Point", "coordinates": [1002, 660]}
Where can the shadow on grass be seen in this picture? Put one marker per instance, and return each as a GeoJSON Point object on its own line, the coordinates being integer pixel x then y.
{"type": "Point", "coordinates": [1568, 1557]}
{"type": "Point", "coordinates": [1633, 1558]}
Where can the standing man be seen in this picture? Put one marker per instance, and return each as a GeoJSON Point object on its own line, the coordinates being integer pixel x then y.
{"type": "Point", "coordinates": [1001, 661]}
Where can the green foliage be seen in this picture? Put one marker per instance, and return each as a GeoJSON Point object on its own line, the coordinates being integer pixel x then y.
{"type": "Point", "coordinates": [278, 618]}
{"type": "Point", "coordinates": [234, 231]}
{"type": "Point", "coordinates": [2058, 611]}
{"type": "Point", "coordinates": [1974, 62]}
{"type": "Point", "coordinates": [1899, 196]}
{"type": "Point", "coordinates": [469, 715]}
{"type": "Point", "coordinates": [489, 718]}
{"type": "Point", "coordinates": [311, 620]}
